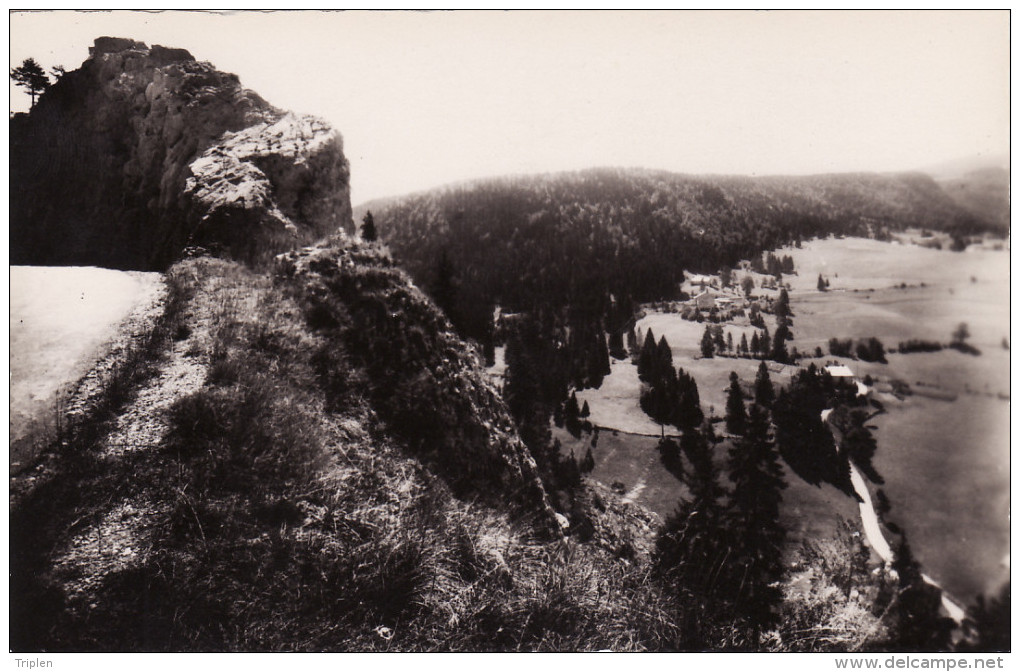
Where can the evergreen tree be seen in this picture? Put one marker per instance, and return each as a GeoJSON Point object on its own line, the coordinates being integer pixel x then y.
{"type": "Point", "coordinates": [747, 284]}
{"type": "Point", "coordinates": [736, 415]}
{"type": "Point", "coordinates": [588, 463]}
{"type": "Point", "coordinates": [806, 443]}
{"type": "Point", "coordinates": [632, 346]}
{"type": "Point", "coordinates": [572, 414]}
{"type": "Point", "coordinates": [919, 627]}
{"type": "Point", "coordinates": [725, 276]}
{"type": "Point", "coordinates": [754, 519]}
{"type": "Point", "coordinates": [663, 356]}
{"type": "Point", "coordinates": [764, 393]}
{"type": "Point", "coordinates": [989, 620]}
{"type": "Point", "coordinates": [585, 411]}
{"type": "Point", "coordinates": [755, 344]}
{"type": "Point", "coordinates": [687, 402]}
{"type": "Point", "coordinates": [647, 360]}
{"type": "Point", "coordinates": [707, 343]}
{"type": "Point", "coordinates": [692, 551]}
{"type": "Point", "coordinates": [821, 283]}
{"type": "Point", "coordinates": [659, 399]}
{"type": "Point", "coordinates": [782, 308]}
{"type": "Point", "coordinates": [717, 338]}
{"type": "Point", "coordinates": [523, 394]}
{"type": "Point", "coordinates": [779, 353]}
{"type": "Point", "coordinates": [616, 349]}
{"type": "Point", "coordinates": [368, 232]}
{"type": "Point", "coordinates": [598, 366]}
{"type": "Point", "coordinates": [669, 455]}
{"type": "Point", "coordinates": [31, 77]}
{"type": "Point", "coordinates": [765, 343]}
{"type": "Point", "coordinates": [444, 286]}
{"type": "Point", "coordinates": [729, 341]}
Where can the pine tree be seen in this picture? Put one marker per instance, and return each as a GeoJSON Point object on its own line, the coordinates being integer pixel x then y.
{"type": "Point", "coordinates": [31, 77]}
{"type": "Point", "coordinates": [585, 411]}
{"type": "Point", "coordinates": [616, 349]}
{"type": "Point", "coordinates": [717, 338]}
{"type": "Point", "coordinates": [707, 343]}
{"type": "Point", "coordinates": [663, 356]}
{"type": "Point", "coordinates": [368, 231]}
{"type": "Point", "coordinates": [647, 360]}
{"type": "Point", "coordinates": [764, 393]}
{"type": "Point", "coordinates": [919, 627]}
{"type": "Point", "coordinates": [687, 402]}
{"type": "Point", "coordinates": [444, 286]}
{"type": "Point", "coordinates": [782, 309]}
{"type": "Point", "coordinates": [754, 519]}
{"type": "Point", "coordinates": [588, 463]}
{"type": "Point", "coordinates": [571, 415]}
{"type": "Point", "coordinates": [765, 343]}
{"type": "Point", "coordinates": [736, 415]}
{"type": "Point", "coordinates": [821, 283]}
{"type": "Point", "coordinates": [729, 341]}
{"type": "Point", "coordinates": [779, 353]}
{"type": "Point", "coordinates": [989, 620]}
{"type": "Point", "coordinates": [632, 346]}
{"type": "Point", "coordinates": [693, 547]}
{"type": "Point", "coordinates": [744, 349]}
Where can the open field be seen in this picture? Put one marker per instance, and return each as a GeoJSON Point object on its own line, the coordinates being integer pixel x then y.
{"type": "Point", "coordinates": [808, 512]}
{"type": "Point", "coordinates": [60, 320]}
{"type": "Point", "coordinates": [634, 462]}
{"type": "Point", "coordinates": [946, 463]}
{"type": "Point", "coordinates": [946, 466]}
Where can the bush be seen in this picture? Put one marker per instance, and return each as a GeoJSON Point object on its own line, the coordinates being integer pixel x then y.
{"type": "Point", "coordinates": [918, 345]}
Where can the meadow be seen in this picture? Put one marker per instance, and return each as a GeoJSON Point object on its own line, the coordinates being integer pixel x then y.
{"type": "Point", "coordinates": [945, 463]}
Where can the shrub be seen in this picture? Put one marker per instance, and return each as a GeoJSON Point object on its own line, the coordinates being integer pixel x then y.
{"type": "Point", "coordinates": [918, 345]}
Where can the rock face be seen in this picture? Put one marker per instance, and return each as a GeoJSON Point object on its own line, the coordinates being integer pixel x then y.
{"type": "Point", "coordinates": [427, 384]}
{"type": "Point", "coordinates": [142, 152]}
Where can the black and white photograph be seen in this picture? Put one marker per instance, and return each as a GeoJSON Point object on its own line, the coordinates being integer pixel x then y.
{"type": "Point", "coordinates": [476, 331]}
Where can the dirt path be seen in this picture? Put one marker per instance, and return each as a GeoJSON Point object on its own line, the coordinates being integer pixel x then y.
{"type": "Point", "coordinates": [64, 322]}
{"type": "Point", "coordinates": [121, 537]}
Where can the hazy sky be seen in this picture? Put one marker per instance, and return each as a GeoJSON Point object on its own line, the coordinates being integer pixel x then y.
{"type": "Point", "coordinates": [423, 99]}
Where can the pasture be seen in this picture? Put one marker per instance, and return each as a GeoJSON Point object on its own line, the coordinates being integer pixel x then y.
{"type": "Point", "coordinates": [945, 463]}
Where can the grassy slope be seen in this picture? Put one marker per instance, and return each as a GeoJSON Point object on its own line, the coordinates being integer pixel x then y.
{"type": "Point", "coordinates": [63, 320]}
{"type": "Point", "coordinates": [261, 507]}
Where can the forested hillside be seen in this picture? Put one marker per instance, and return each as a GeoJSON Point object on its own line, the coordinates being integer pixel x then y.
{"type": "Point", "coordinates": [574, 238]}
{"type": "Point", "coordinates": [984, 192]}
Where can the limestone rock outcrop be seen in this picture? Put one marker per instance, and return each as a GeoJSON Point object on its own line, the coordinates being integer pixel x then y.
{"type": "Point", "coordinates": [142, 152]}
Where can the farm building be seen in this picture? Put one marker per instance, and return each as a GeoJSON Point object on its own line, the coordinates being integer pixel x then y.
{"type": "Point", "coordinates": [839, 371]}
{"type": "Point", "coordinates": [698, 279]}
{"type": "Point", "coordinates": [707, 299]}
{"type": "Point", "coordinates": [843, 372]}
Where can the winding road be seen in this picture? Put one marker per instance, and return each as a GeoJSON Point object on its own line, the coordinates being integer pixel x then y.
{"type": "Point", "coordinates": [873, 528]}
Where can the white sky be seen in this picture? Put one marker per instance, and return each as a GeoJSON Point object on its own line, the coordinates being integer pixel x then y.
{"type": "Point", "coordinates": [424, 99]}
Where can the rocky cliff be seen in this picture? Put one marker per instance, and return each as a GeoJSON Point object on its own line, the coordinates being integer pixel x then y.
{"type": "Point", "coordinates": [143, 151]}
{"type": "Point", "coordinates": [423, 380]}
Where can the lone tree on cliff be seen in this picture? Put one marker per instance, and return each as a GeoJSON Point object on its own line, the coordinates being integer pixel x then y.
{"type": "Point", "coordinates": [31, 77]}
{"type": "Point", "coordinates": [368, 231]}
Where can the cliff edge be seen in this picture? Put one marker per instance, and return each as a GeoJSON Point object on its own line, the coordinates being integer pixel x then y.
{"type": "Point", "coordinates": [143, 152]}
